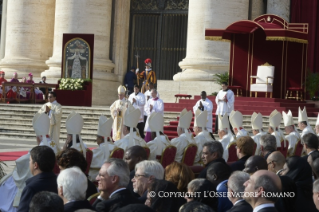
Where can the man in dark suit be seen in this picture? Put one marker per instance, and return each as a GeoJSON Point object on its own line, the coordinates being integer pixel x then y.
{"type": "Point", "coordinates": [236, 188]}
{"type": "Point", "coordinates": [46, 201]}
{"type": "Point", "coordinates": [245, 149]}
{"type": "Point", "coordinates": [276, 162]}
{"type": "Point", "coordinates": [42, 161]}
{"type": "Point", "coordinates": [261, 191]}
{"type": "Point", "coordinates": [212, 153]}
{"type": "Point", "coordinates": [112, 180]}
{"type": "Point", "coordinates": [310, 144]}
{"type": "Point", "coordinates": [255, 163]}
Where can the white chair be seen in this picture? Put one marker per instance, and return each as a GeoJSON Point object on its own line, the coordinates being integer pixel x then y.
{"type": "Point", "coordinates": [264, 80]}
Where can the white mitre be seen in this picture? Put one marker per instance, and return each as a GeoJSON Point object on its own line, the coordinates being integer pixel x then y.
{"type": "Point", "coordinates": [257, 121]}
{"type": "Point", "coordinates": [74, 124]}
{"type": "Point", "coordinates": [121, 89]}
{"type": "Point", "coordinates": [185, 119]}
{"type": "Point", "coordinates": [302, 115]}
{"type": "Point", "coordinates": [274, 119]}
{"type": "Point", "coordinates": [200, 119]}
{"type": "Point", "coordinates": [104, 129]}
{"type": "Point", "coordinates": [41, 126]}
{"type": "Point", "coordinates": [223, 123]}
{"type": "Point", "coordinates": [156, 123]}
{"type": "Point", "coordinates": [288, 118]}
{"type": "Point", "coordinates": [131, 119]}
{"type": "Point", "coordinates": [236, 119]}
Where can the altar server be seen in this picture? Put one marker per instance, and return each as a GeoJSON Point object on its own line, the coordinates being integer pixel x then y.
{"type": "Point", "coordinates": [153, 105]}
{"type": "Point", "coordinates": [157, 146]}
{"type": "Point", "coordinates": [293, 135]}
{"type": "Point", "coordinates": [131, 135]}
{"type": "Point", "coordinates": [204, 104]}
{"type": "Point", "coordinates": [273, 129]}
{"type": "Point", "coordinates": [184, 136]}
{"type": "Point", "coordinates": [105, 147]}
{"type": "Point", "coordinates": [137, 99]}
{"type": "Point", "coordinates": [236, 120]}
{"type": "Point", "coordinates": [202, 135]}
{"type": "Point", "coordinates": [303, 123]}
{"type": "Point", "coordinates": [257, 127]}
{"type": "Point", "coordinates": [147, 96]}
{"type": "Point", "coordinates": [224, 134]}
{"type": "Point", "coordinates": [117, 112]}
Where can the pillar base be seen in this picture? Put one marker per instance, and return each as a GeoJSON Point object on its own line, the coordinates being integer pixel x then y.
{"type": "Point", "coordinates": [22, 66]}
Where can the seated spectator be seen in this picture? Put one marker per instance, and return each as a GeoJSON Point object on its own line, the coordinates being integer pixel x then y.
{"type": "Point", "coordinates": [162, 203]}
{"type": "Point", "coordinates": [300, 172]}
{"type": "Point", "coordinates": [268, 144]}
{"type": "Point", "coordinates": [255, 163]}
{"type": "Point", "coordinates": [310, 144]}
{"type": "Point", "coordinates": [43, 81]}
{"type": "Point", "coordinates": [202, 190]}
{"type": "Point", "coordinates": [316, 193]}
{"type": "Point", "coordinates": [72, 186]}
{"type": "Point", "coordinates": [158, 143]}
{"type": "Point", "coordinates": [275, 162]}
{"type": "Point", "coordinates": [262, 181]}
{"type": "Point", "coordinates": [46, 201]}
{"type": "Point", "coordinates": [286, 203]}
{"type": "Point", "coordinates": [145, 172]}
{"type": "Point", "coordinates": [38, 93]}
{"type": "Point", "coordinates": [71, 157]}
{"type": "Point", "coordinates": [212, 153]}
{"type": "Point", "coordinates": [195, 206]}
{"type": "Point", "coordinates": [245, 149]}
{"type": "Point", "coordinates": [218, 174]}
{"type": "Point", "coordinates": [179, 174]}
{"type": "Point", "coordinates": [42, 160]}
{"type": "Point", "coordinates": [112, 180]}
{"type": "Point", "coordinates": [69, 143]}
{"type": "Point", "coordinates": [236, 188]}
{"type": "Point", "coordinates": [124, 143]}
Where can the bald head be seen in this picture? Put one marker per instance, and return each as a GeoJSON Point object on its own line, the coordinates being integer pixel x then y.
{"type": "Point", "coordinates": [255, 163]}
{"type": "Point", "coordinates": [276, 161]}
{"type": "Point", "coordinates": [133, 155]}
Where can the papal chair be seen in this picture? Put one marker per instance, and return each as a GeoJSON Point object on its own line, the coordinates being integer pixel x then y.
{"type": "Point", "coordinates": [264, 80]}
{"type": "Point", "coordinates": [282, 148]}
{"type": "Point", "coordinates": [117, 153]}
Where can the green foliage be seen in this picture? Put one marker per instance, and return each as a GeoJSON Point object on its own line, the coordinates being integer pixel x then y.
{"type": "Point", "coordinates": [220, 78]}
{"type": "Point", "coordinates": [2, 173]}
{"type": "Point", "coordinates": [72, 84]}
{"type": "Point", "coordinates": [214, 94]}
{"type": "Point", "coordinates": [312, 83]}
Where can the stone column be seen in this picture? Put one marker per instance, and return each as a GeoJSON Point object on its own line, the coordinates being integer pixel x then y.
{"type": "Point", "coordinates": [29, 36]}
{"type": "Point", "coordinates": [280, 8]}
{"type": "Point", "coordinates": [3, 28]}
{"type": "Point", "coordinates": [257, 8]}
{"type": "Point", "coordinates": [204, 58]}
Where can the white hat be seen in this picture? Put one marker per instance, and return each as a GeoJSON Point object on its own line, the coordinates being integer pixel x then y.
{"type": "Point", "coordinates": [302, 115]}
{"type": "Point", "coordinates": [74, 124]}
{"type": "Point", "coordinates": [236, 119]}
{"type": "Point", "coordinates": [121, 89]}
{"type": "Point", "coordinates": [104, 127]}
{"type": "Point", "coordinates": [131, 119]}
{"type": "Point", "coordinates": [257, 121]}
{"type": "Point", "coordinates": [156, 122]}
{"type": "Point", "coordinates": [200, 118]}
{"type": "Point", "coordinates": [185, 119]}
{"type": "Point", "coordinates": [317, 123]}
{"type": "Point", "coordinates": [41, 126]}
{"type": "Point", "coordinates": [274, 119]}
{"type": "Point", "coordinates": [223, 122]}
{"type": "Point", "coordinates": [288, 119]}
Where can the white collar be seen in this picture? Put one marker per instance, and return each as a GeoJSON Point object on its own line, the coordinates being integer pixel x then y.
{"type": "Point", "coordinates": [277, 173]}
{"type": "Point", "coordinates": [311, 152]}
{"type": "Point", "coordinates": [266, 205]}
{"type": "Point", "coordinates": [120, 189]}
{"type": "Point", "coordinates": [54, 102]}
{"type": "Point", "coordinates": [240, 200]}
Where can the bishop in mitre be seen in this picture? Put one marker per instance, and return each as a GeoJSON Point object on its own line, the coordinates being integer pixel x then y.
{"type": "Point", "coordinates": [12, 185]}
{"type": "Point", "coordinates": [184, 136]}
{"type": "Point", "coordinates": [303, 123]}
{"type": "Point", "coordinates": [118, 109]}
{"type": "Point", "coordinates": [54, 110]}
{"type": "Point", "coordinates": [273, 129]}
{"type": "Point", "coordinates": [224, 134]}
{"type": "Point", "coordinates": [236, 120]}
{"type": "Point", "coordinates": [105, 147]}
{"type": "Point", "coordinates": [293, 135]}
{"type": "Point", "coordinates": [160, 142]}
{"type": "Point", "coordinates": [131, 135]}
{"type": "Point", "coordinates": [202, 135]}
{"type": "Point", "coordinates": [257, 128]}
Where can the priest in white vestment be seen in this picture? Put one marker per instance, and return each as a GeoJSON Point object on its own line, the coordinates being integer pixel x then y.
{"type": "Point", "coordinates": [157, 146]}
{"type": "Point", "coordinates": [137, 99]}
{"type": "Point", "coordinates": [293, 135]}
{"type": "Point", "coordinates": [104, 149]}
{"type": "Point", "coordinates": [303, 123]}
{"type": "Point", "coordinates": [274, 127]}
{"type": "Point", "coordinates": [204, 104]}
{"type": "Point", "coordinates": [185, 137]}
{"type": "Point", "coordinates": [117, 112]}
{"type": "Point", "coordinates": [202, 135]}
{"type": "Point", "coordinates": [54, 110]}
{"type": "Point", "coordinates": [236, 120]}
{"type": "Point", "coordinates": [12, 185]}
{"type": "Point", "coordinates": [257, 128]}
{"type": "Point", "coordinates": [147, 96]}
{"type": "Point", "coordinates": [131, 136]}
{"type": "Point", "coordinates": [153, 105]}
{"type": "Point", "coordinates": [225, 101]}
{"type": "Point", "coordinates": [224, 134]}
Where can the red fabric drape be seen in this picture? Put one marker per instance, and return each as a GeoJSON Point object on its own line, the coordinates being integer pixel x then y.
{"type": "Point", "coordinates": [307, 11]}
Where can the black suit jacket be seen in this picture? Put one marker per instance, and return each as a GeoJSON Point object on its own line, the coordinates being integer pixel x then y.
{"type": "Point", "coordinates": [270, 209]}
{"type": "Point", "coordinates": [73, 206]}
{"type": "Point", "coordinates": [242, 206]}
{"type": "Point", "coordinates": [240, 164]}
{"type": "Point", "coordinates": [203, 173]}
{"type": "Point", "coordinates": [45, 181]}
{"type": "Point", "coordinates": [118, 200]}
